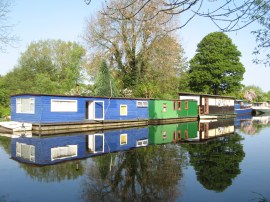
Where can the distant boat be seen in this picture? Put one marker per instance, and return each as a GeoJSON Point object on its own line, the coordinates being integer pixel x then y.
{"type": "Point", "coordinates": [240, 108]}
{"type": "Point", "coordinates": [261, 107]}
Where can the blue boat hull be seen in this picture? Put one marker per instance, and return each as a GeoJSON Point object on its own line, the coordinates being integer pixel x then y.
{"type": "Point", "coordinates": [243, 111]}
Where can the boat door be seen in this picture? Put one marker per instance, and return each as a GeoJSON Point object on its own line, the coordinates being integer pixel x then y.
{"type": "Point", "coordinates": [95, 110]}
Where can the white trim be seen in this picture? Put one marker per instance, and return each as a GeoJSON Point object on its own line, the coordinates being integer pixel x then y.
{"type": "Point", "coordinates": [62, 105]}
{"type": "Point", "coordinates": [124, 114]}
{"type": "Point", "coordinates": [94, 107]}
{"type": "Point", "coordinates": [92, 144]}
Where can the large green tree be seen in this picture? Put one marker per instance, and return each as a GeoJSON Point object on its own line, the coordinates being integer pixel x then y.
{"type": "Point", "coordinates": [50, 66]}
{"type": "Point", "coordinates": [216, 67]}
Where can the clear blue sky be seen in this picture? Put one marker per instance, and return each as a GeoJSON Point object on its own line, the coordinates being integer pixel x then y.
{"type": "Point", "coordinates": [38, 20]}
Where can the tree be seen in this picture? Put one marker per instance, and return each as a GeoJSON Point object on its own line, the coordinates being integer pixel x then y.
{"type": "Point", "coordinates": [4, 101]}
{"type": "Point", "coordinates": [50, 66]}
{"type": "Point", "coordinates": [137, 50]}
{"type": "Point", "coordinates": [6, 38]}
{"type": "Point", "coordinates": [254, 94]}
{"type": "Point", "coordinates": [104, 84]}
{"type": "Point", "coordinates": [216, 67]}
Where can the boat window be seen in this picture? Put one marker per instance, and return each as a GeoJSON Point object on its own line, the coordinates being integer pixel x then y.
{"type": "Point", "coordinates": [142, 104]}
{"type": "Point", "coordinates": [123, 110]}
{"type": "Point", "coordinates": [58, 105]}
{"type": "Point", "coordinates": [123, 139]}
{"type": "Point", "coordinates": [25, 105]}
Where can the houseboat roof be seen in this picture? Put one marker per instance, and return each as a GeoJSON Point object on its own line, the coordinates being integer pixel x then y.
{"type": "Point", "coordinates": [208, 95]}
{"type": "Point", "coordinates": [84, 96]}
{"type": "Point", "coordinates": [77, 96]}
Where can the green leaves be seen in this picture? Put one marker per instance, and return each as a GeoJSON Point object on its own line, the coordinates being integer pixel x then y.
{"type": "Point", "coordinates": [104, 83]}
{"type": "Point", "coordinates": [216, 68]}
{"type": "Point", "coordinates": [50, 66]}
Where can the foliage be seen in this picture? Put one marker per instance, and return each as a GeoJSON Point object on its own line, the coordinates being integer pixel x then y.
{"type": "Point", "coordinates": [216, 67]}
{"type": "Point", "coordinates": [144, 57]}
{"type": "Point", "coordinates": [255, 93]}
{"type": "Point", "coordinates": [4, 101]}
{"type": "Point", "coordinates": [104, 83]}
{"type": "Point", "coordinates": [50, 66]}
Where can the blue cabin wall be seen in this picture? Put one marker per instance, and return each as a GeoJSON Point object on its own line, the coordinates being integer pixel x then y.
{"type": "Point", "coordinates": [27, 117]}
{"type": "Point", "coordinates": [43, 113]}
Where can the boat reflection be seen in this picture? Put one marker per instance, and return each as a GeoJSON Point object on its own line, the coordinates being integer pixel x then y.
{"type": "Point", "coordinates": [55, 149]}
{"type": "Point", "coordinates": [253, 125]}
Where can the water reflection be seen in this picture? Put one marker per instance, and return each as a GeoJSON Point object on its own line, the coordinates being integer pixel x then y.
{"type": "Point", "coordinates": [155, 163]}
{"type": "Point", "coordinates": [147, 174]}
{"type": "Point", "coordinates": [217, 162]}
{"type": "Point", "coordinates": [253, 125]}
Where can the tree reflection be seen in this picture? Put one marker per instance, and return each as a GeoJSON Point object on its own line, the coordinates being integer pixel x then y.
{"type": "Point", "coordinates": [5, 143]}
{"type": "Point", "coordinates": [253, 127]}
{"type": "Point", "coordinates": [147, 174]}
{"type": "Point", "coordinates": [217, 162]}
{"type": "Point", "coordinates": [55, 173]}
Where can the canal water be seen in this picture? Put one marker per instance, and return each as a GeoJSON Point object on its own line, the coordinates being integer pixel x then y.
{"type": "Point", "coordinates": [225, 160]}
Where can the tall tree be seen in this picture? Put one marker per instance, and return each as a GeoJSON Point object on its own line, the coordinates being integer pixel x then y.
{"type": "Point", "coordinates": [135, 48]}
{"type": "Point", "coordinates": [50, 66]}
{"type": "Point", "coordinates": [104, 83]}
{"type": "Point", "coordinates": [216, 67]}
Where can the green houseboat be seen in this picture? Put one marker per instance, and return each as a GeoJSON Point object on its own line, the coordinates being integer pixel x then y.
{"type": "Point", "coordinates": [172, 111]}
{"type": "Point", "coordinates": [161, 134]}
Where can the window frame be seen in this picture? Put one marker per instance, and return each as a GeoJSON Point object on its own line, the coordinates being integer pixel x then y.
{"type": "Point", "coordinates": [30, 105]}
{"type": "Point", "coordinates": [126, 112]}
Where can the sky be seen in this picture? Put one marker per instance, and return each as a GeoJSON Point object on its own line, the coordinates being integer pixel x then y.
{"type": "Point", "coordinates": [66, 20]}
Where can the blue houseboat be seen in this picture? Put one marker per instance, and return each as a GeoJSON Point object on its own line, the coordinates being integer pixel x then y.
{"type": "Point", "coordinates": [57, 112]}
